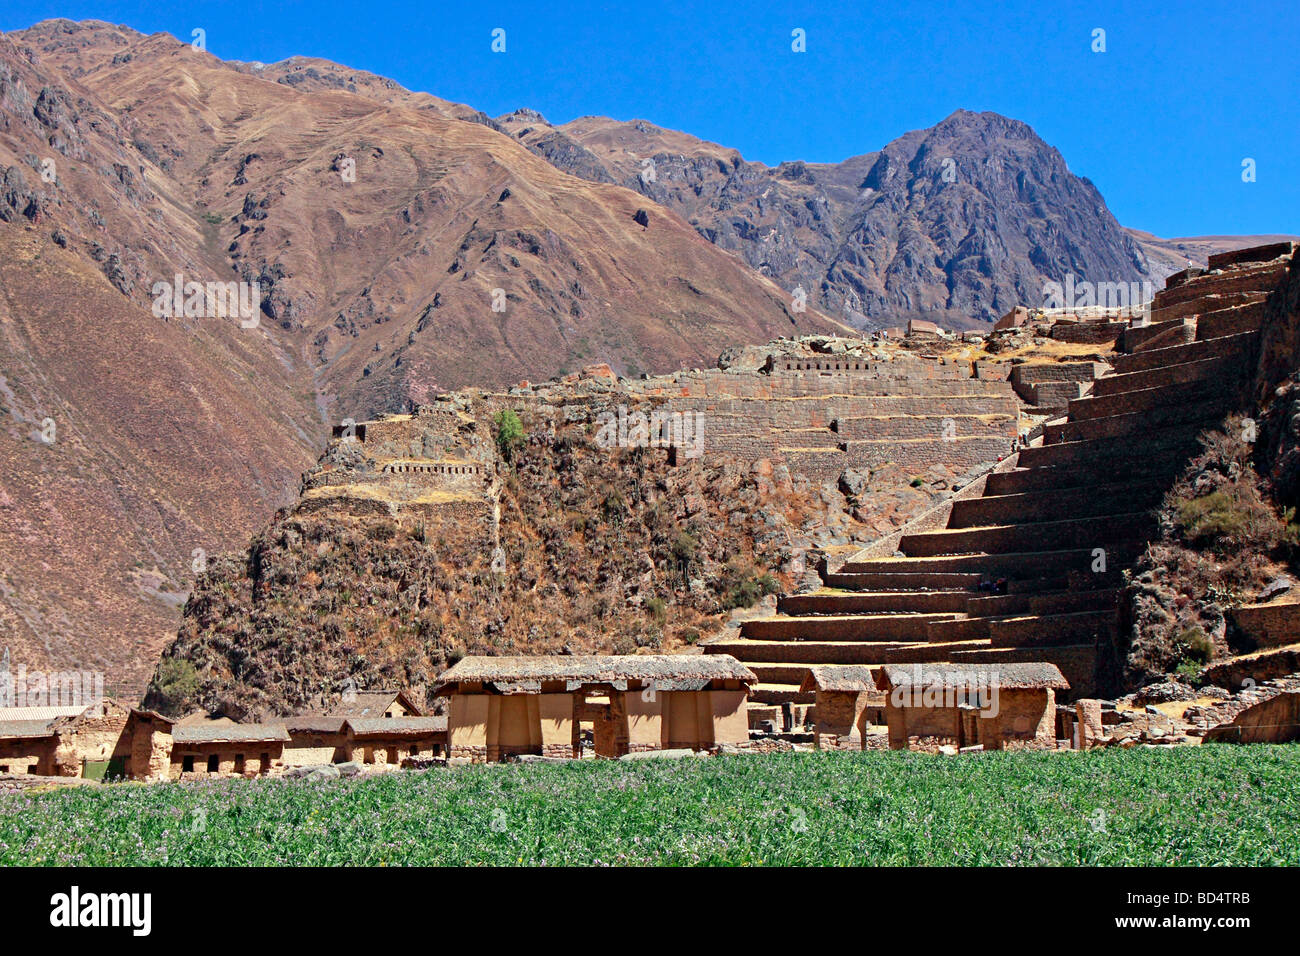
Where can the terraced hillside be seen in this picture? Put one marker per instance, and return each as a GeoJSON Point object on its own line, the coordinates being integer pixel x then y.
{"type": "Point", "coordinates": [1029, 567]}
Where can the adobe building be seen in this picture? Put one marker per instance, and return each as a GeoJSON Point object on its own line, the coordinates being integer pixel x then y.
{"type": "Point", "coordinates": [107, 739]}
{"type": "Point", "coordinates": [227, 749]}
{"type": "Point", "coordinates": [395, 740]}
{"type": "Point", "coordinates": [504, 706]}
{"type": "Point", "coordinates": [846, 702]}
{"type": "Point", "coordinates": [371, 727]}
{"type": "Point", "coordinates": [997, 706]}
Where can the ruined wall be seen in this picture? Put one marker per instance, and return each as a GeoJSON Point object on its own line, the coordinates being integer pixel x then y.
{"type": "Point", "coordinates": [822, 415]}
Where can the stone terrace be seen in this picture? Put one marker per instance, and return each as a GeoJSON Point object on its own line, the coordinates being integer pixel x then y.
{"type": "Point", "coordinates": [1031, 570]}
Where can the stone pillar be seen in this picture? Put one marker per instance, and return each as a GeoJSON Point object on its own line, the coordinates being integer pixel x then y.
{"type": "Point", "coordinates": [1091, 731]}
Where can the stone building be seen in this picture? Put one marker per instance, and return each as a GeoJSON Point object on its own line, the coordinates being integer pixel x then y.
{"type": "Point", "coordinates": [394, 740]}
{"type": "Point", "coordinates": [846, 702]}
{"type": "Point", "coordinates": [504, 706]}
{"type": "Point", "coordinates": [997, 706]}
{"type": "Point", "coordinates": [227, 749]}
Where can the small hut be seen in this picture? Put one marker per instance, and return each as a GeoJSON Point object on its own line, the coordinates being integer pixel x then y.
{"type": "Point", "coordinates": [394, 740]}
{"type": "Point", "coordinates": [997, 705]}
{"type": "Point", "coordinates": [846, 702]}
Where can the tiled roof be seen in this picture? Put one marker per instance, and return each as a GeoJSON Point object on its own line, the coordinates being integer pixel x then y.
{"type": "Point", "coordinates": [368, 703]}
{"type": "Point", "coordinates": [26, 728]}
{"type": "Point", "coordinates": [39, 713]}
{"type": "Point", "coordinates": [314, 724]}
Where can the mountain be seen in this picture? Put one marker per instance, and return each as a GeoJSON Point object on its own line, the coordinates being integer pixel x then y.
{"type": "Point", "coordinates": [127, 160]}
{"type": "Point", "coordinates": [956, 223]}
{"type": "Point", "coordinates": [379, 227]}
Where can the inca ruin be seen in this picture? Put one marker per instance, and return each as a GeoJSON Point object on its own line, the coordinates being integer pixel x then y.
{"type": "Point", "coordinates": [622, 437]}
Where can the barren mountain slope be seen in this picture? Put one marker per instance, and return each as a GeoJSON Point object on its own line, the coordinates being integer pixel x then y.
{"type": "Point", "coordinates": [161, 445]}
{"type": "Point", "coordinates": [128, 441]}
{"type": "Point", "coordinates": [390, 279]}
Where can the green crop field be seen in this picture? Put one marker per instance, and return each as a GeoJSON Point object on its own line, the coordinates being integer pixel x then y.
{"type": "Point", "coordinates": [1215, 804]}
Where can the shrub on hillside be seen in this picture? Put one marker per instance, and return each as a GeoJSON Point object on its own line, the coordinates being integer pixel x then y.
{"type": "Point", "coordinates": [509, 433]}
{"type": "Point", "coordinates": [174, 683]}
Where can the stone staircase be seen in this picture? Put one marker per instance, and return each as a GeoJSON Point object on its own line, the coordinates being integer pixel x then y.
{"type": "Point", "coordinates": [1032, 570]}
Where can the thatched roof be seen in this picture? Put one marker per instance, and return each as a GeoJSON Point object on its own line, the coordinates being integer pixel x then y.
{"type": "Point", "coordinates": [994, 675]}
{"type": "Point", "coordinates": [26, 728]}
{"type": "Point", "coordinates": [667, 672]}
{"type": "Point", "coordinates": [397, 726]}
{"type": "Point", "coordinates": [846, 678]}
{"type": "Point", "coordinates": [371, 703]}
{"type": "Point", "coordinates": [229, 733]}
{"type": "Point", "coordinates": [314, 724]}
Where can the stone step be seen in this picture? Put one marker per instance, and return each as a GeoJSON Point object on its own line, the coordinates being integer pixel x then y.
{"type": "Point", "coordinates": [929, 653]}
{"type": "Point", "coordinates": [880, 578]}
{"type": "Point", "coordinates": [1077, 662]}
{"type": "Point", "coordinates": [802, 652]}
{"type": "Point", "coordinates": [1154, 463]}
{"type": "Point", "coordinates": [1052, 602]}
{"type": "Point", "coordinates": [1165, 375]}
{"type": "Point", "coordinates": [778, 672]}
{"type": "Point", "coordinates": [1146, 399]}
{"type": "Point", "coordinates": [1235, 320]}
{"type": "Point", "coordinates": [1156, 335]}
{"type": "Point", "coordinates": [1069, 533]}
{"type": "Point", "coordinates": [1235, 345]}
{"type": "Point", "coordinates": [1252, 254]}
{"type": "Point", "coordinates": [1018, 564]}
{"type": "Point", "coordinates": [959, 629]}
{"type": "Point", "coordinates": [1109, 454]}
{"type": "Point", "coordinates": [856, 627]}
{"type": "Point", "coordinates": [1252, 279]}
{"type": "Point", "coordinates": [1053, 630]}
{"type": "Point", "coordinates": [1055, 504]}
{"type": "Point", "coordinates": [1191, 415]}
{"type": "Point", "coordinates": [871, 602]}
{"type": "Point", "coordinates": [779, 694]}
{"type": "Point", "coordinates": [1202, 304]}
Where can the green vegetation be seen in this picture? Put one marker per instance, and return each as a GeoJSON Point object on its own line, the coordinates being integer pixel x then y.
{"type": "Point", "coordinates": [1209, 805]}
{"type": "Point", "coordinates": [510, 433]}
{"type": "Point", "coordinates": [743, 585]}
{"type": "Point", "coordinates": [174, 683]}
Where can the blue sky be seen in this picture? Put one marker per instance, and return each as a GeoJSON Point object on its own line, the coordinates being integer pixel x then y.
{"type": "Point", "coordinates": [1161, 121]}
